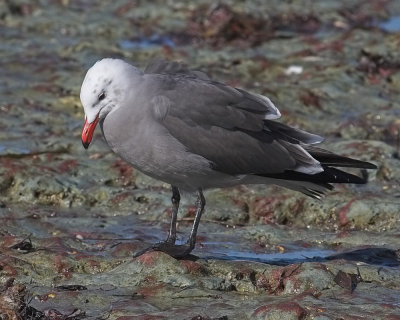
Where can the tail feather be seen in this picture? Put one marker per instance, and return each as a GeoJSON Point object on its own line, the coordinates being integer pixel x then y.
{"type": "Point", "coordinates": [315, 185]}
{"type": "Point", "coordinates": [311, 189]}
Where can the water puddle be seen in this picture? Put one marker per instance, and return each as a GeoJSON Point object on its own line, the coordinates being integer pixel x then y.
{"type": "Point", "coordinates": [146, 42]}
{"type": "Point", "coordinates": [281, 259]}
{"type": "Point", "coordinates": [391, 25]}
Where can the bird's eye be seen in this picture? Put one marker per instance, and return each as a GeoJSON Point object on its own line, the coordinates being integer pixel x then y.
{"type": "Point", "coordinates": [102, 96]}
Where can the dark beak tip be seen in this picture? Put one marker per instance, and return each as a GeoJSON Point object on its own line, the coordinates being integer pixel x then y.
{"type": "Point", "coordinates": [85, 144]}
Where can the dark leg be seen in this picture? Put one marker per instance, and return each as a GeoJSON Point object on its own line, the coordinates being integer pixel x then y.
{"type": "Point", "coordinates": [169, 246]}
{"type": "Point", "coordinates": [176, 198]}
{"type": "Point", "coordinates": [200, 204]}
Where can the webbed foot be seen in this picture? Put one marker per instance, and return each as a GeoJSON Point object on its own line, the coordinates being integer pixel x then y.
{"type": "Point", "coordinates": [174, 250]}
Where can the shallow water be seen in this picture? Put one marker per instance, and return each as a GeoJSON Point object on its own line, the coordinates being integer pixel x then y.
{"type": "Point", "coordinates": [391, 25]}
{"type": "Point", "coordinates": [226, 251]}
{"type": "Point", "coordinates": [146, 43]}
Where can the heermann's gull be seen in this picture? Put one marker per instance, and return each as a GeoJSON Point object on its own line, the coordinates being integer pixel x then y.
{"type": "Point", "coordinates": [181, 127]}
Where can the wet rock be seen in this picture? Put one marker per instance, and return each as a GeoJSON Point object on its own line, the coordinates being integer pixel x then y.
{"type": "Point", "coordinates": [6, 180]}
{"type": "Point", "coordinates": [347, 281]}
{"type": "Point", "coordinates": [377, 60]}
{"type": "Point", "coordinates": [220, 23]}
{"type": "Point", "coordinates": [285, 310]}
{"type": "Point", "coordinates": [14, 303]}
{"type": "Point", "coordinates": [18, 8]}
{"type": "Point", "coordinates": [24, 246]}
{"type": "Point", "coordinates": [263, 252]}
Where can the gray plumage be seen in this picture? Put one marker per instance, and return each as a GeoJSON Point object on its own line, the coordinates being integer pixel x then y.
{"type": "Point", "coordinates": [192, 132]}
{"type": "Point", "coordinates": [181, 127]}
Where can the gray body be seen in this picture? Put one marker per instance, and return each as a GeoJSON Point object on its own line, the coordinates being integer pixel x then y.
{"type": "Point", "coordinates": [194, 133]}
{"type": "Point", "coordinates": [189, 131]}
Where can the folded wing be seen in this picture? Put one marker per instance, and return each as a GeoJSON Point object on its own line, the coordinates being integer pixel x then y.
{"type": "Point", "coordinates": [235, 131]}
{"type": "Point", "coordinates": [230, 127]}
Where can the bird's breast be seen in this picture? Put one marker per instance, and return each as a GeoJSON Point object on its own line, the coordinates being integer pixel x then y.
{"type": "Point", "coordinates": [148, 146]}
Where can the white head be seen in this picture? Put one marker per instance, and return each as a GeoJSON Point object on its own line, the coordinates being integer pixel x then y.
{"type": "Point", "coordinates": [105, 86]}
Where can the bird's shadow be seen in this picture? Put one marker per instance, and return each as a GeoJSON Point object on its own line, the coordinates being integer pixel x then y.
{"type": "Point", "coordinates": [373, 256]}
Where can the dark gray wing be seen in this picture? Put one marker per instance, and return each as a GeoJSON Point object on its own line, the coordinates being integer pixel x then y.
{"type": "Point", "coordinates": [228, 127]}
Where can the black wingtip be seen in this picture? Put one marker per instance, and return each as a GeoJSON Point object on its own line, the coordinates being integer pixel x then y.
{"type": "Point", "coordinates": [330, 159]}
{"type": "Point", "coordinates": [329, 175]}
{"type": "Point", "coordinates": [369, 165]}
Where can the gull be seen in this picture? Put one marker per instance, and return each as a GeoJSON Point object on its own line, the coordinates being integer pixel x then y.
{"type": "Point", "coordinates": [194, 133]}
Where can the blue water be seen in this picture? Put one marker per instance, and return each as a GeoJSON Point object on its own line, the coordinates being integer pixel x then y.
{"type": "Point", "coordinates": [146, 42]}
{"type": "Point", "coordinates": [290, 257]}
{"type": "Point", "coordinates": [13, 149]}
{"type": "Point", "coordinates": [391, 25]}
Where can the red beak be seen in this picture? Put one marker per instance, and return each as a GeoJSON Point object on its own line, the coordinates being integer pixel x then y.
{"type": "Point", "coordinates": [87, 131]}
